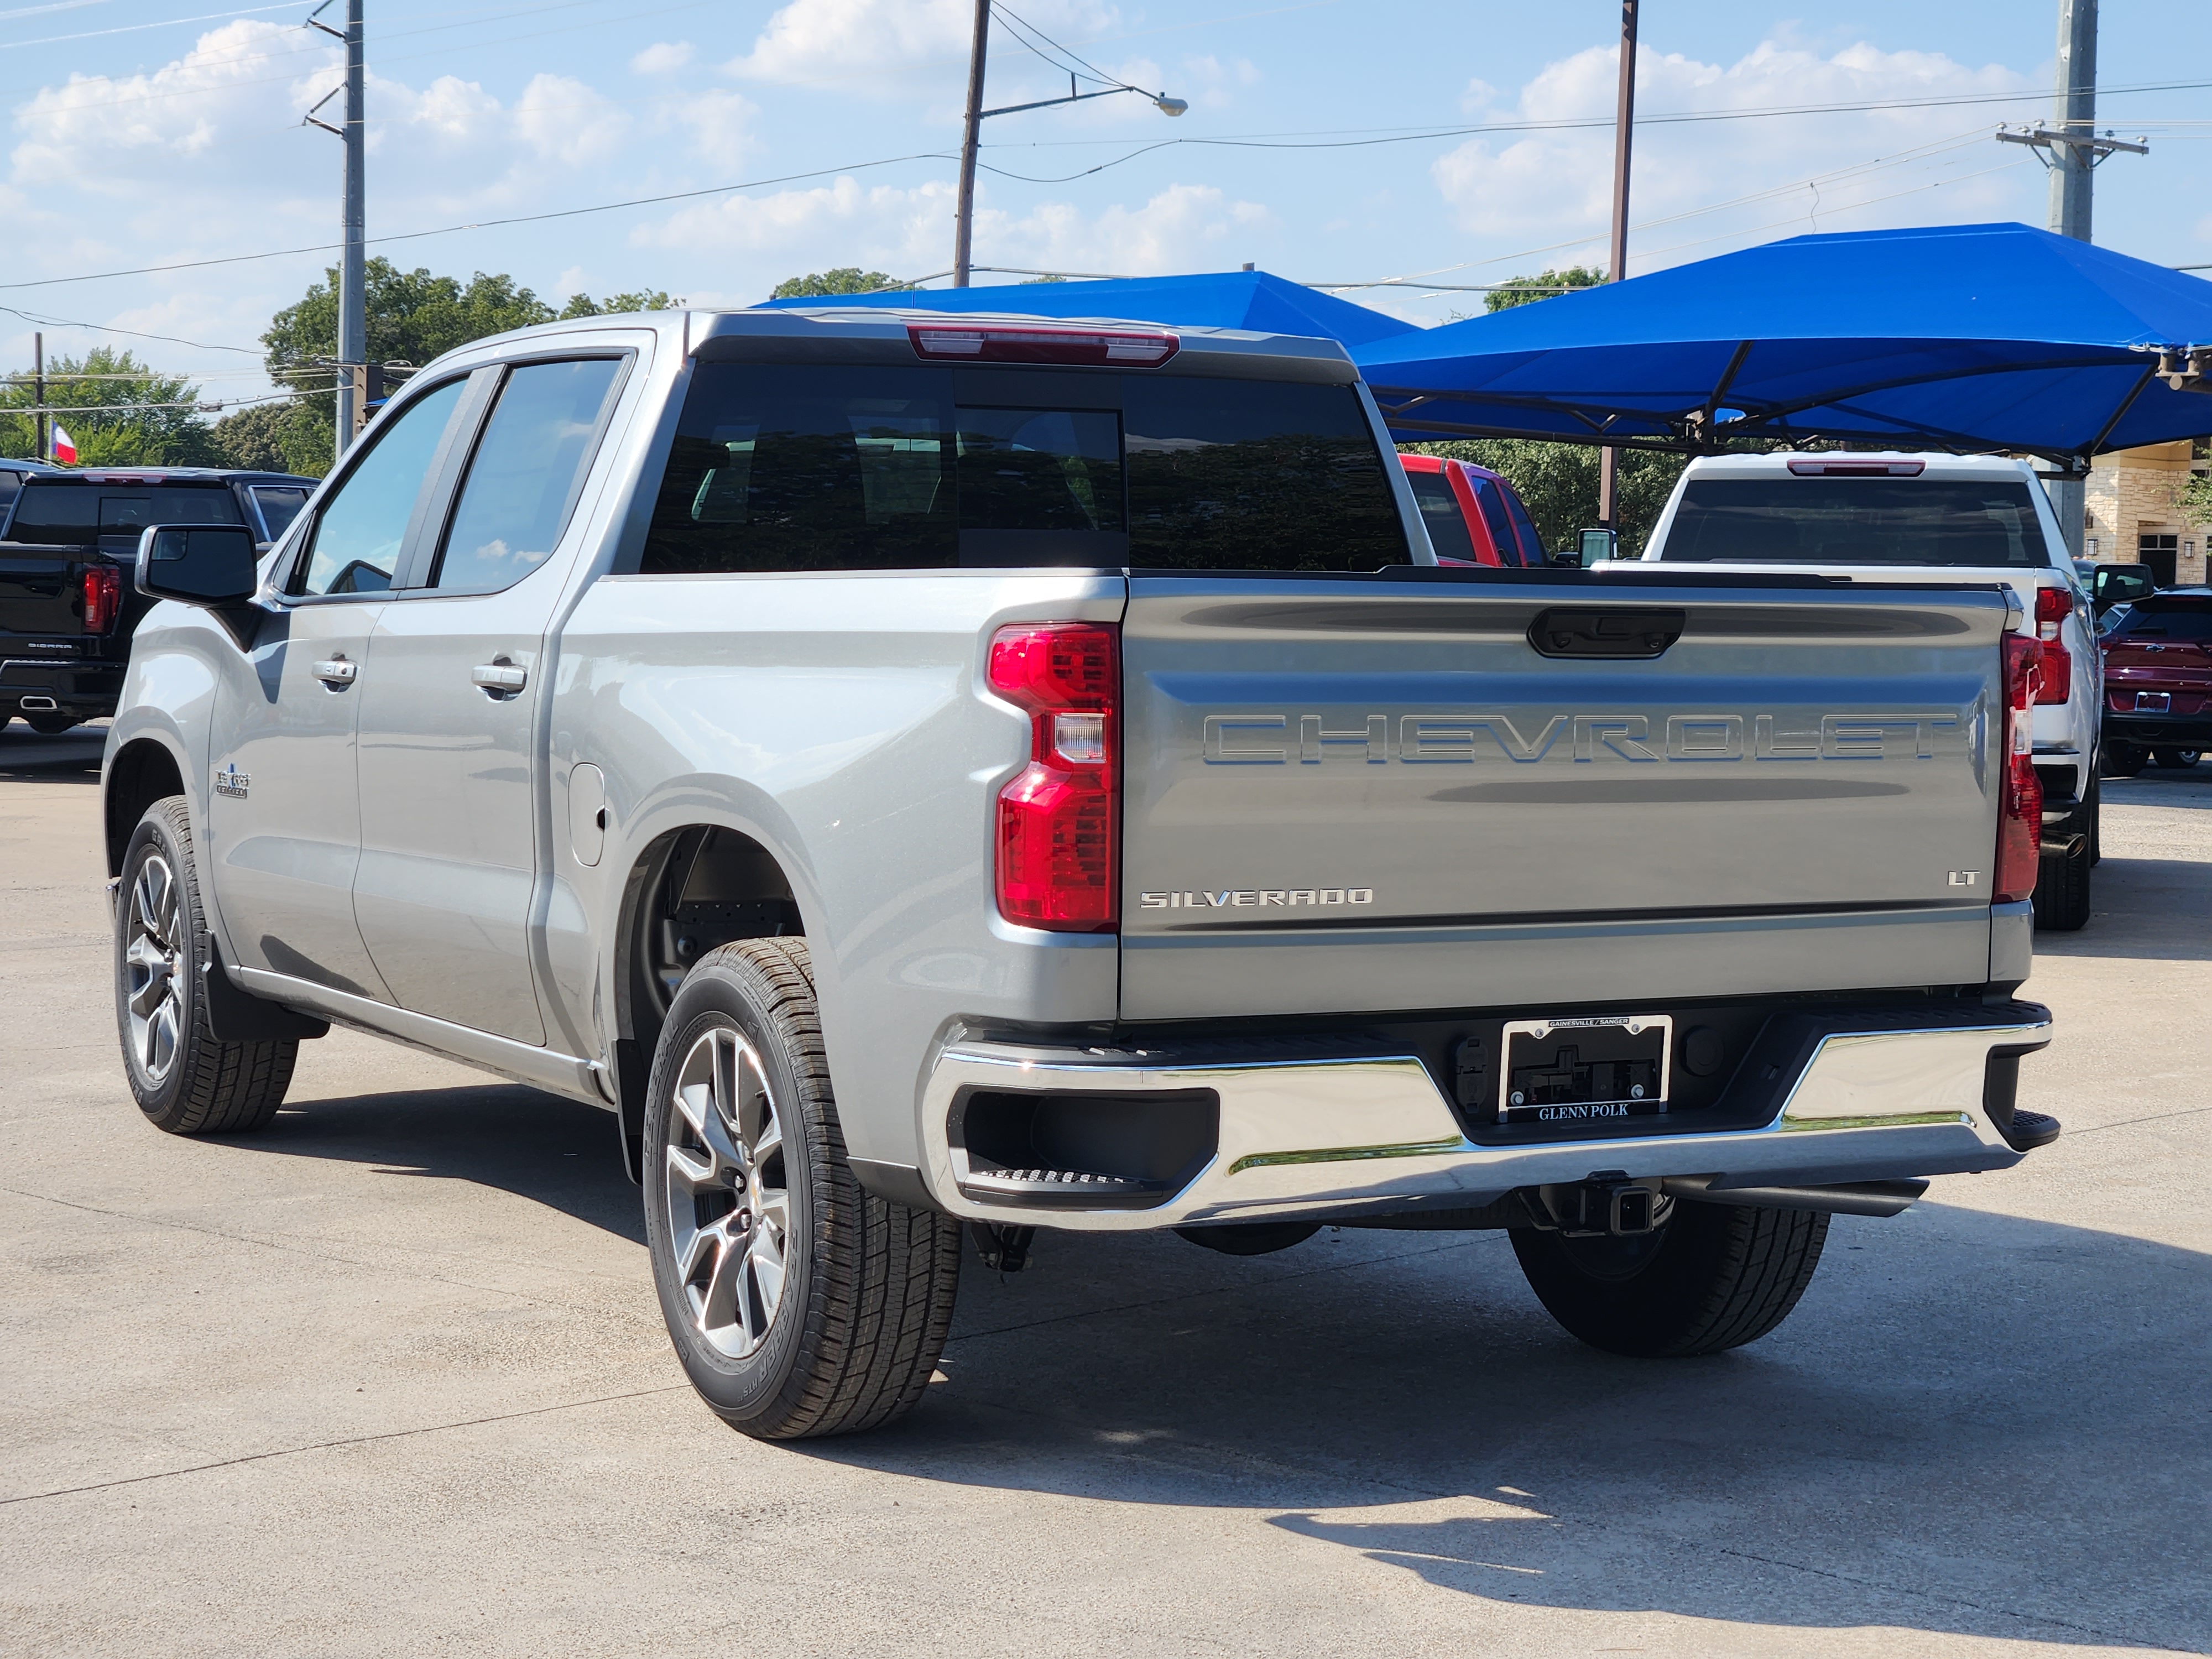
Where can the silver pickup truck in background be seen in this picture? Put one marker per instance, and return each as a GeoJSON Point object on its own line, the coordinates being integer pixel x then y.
{"type": "Point", "coordinates": [932, 775]}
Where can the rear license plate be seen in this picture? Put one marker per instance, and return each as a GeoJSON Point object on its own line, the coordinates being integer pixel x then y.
{"type": "Point", "coordinates": [2153, 702]}
{"type": "Point", "coordinates": [1584, 1071]}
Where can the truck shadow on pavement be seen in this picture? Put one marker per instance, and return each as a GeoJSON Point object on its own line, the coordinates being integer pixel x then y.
{"type": "Point", "coordinates": [71, 757]}
{"type": "Point", "coordinates": [2142, 910]}
{"type": "Point", "coordinates": [559, 1153]}
{"type": "Point", "coordinates": [1972, 1424]}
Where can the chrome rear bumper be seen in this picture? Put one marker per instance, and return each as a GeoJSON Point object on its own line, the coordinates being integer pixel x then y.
{"type": "Point", "coordinates": [1367, 1135]}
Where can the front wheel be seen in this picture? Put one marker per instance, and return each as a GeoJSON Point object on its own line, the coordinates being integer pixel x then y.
{"type": "Point", "coordinates": [1714, 1276]}
{"type": "Point", "coordinates": [185, 1080]}
{"type": "Point", "coordinates": [799, 1304]}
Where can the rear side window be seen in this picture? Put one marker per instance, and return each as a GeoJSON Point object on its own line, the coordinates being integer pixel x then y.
{"type": "Point", "coordinates": [1491, 500]}
{"type": "Point", "coordinates": [1532, 544]}
{"type": "Point", "coordinates": [527, 473]}
{"type": "Point", "coordinates": [83, 513]}
{"type": "Point", "coordinates": [280, 504]}
{"type": "Point", "coordinates": [779, 468]}
{"type": "Point", "coordinates": [1440, 513]}
{"type": "Point", "coordinates": [1866, 521]}
{"type": "Point", "coordinates": [10, 483]}
{"type": "Point", "coordinates": [2164, 619]}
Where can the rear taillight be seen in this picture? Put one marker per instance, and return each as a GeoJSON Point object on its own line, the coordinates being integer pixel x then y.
{"type": "Point", "coordinates": [990, 342]}
{"type": "Point", "coordinates": [103, 597]}
{"type": "Point", "coordinates": [1059, 826]}
{"type": "Point", "coordinates": [2020, 792]}
{"type": "Point", "coordinates": [2052, 607]}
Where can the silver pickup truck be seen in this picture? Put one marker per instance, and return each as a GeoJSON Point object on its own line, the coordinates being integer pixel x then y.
{"type": "Point", "coordinates": [932, 776]}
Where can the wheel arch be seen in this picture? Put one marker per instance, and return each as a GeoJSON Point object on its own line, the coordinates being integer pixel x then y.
{"type": "Point", "coordinates": [691, 887]}
{"type": "Point", "coordinates": [142, 771]}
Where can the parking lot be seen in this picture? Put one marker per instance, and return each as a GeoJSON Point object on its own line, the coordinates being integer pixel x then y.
{"type": "Point", "coordinates": [389, 1377]}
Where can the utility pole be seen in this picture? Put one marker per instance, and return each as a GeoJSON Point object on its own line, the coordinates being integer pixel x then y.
{"type": "Point", "coordinates": [353, 323]}
{"type": "Point", "coordinates": [39, 389]}
{"type": "Point", "coordinates": [964, 231]}
{"type": "Point", "coordinates": [1624, 130]}
{"type": "Point", "coordinates": [2071, 150]}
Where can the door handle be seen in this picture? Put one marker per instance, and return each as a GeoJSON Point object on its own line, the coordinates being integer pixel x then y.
{"type": "Point", "coordinates": [501, 679]}
{"type": "Point", "coordinates": [337, 674]}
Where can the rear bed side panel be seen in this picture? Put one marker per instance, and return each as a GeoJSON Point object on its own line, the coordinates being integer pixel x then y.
{"type": "Point", "coordinates": [840, 721]}
{"type": "Point", "coordinates": [1347, 795]}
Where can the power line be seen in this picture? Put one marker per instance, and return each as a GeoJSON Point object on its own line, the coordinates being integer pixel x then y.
{"type": "Point", "coordinates": [137, 334]}
{"type": "Point", "coordinates": [486, 224]}
{"type": "Point", "coordinates": [135, 28]}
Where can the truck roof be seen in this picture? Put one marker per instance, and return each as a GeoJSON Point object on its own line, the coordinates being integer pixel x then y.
{"type": "Point", "coordinates": [876, 333]}
{"type": "Point", "coordinates": [108, 476]}
{"type": "Point", "coordinates": [1923, 464]}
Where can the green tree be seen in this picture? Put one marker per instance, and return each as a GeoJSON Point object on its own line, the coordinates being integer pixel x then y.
{"type": "Point", "coordinates": [617, 305]}
{"type": "Point", "coordinates": [1558, 483]}
{"type": "Point", "coordinates": [133, 415]}
{"type": "Point", "coordinates": [262, 436]}
{"type": "Point", "coordinates": [845, 279]}
{"type": "Point", "coordinates": [1527, 290]}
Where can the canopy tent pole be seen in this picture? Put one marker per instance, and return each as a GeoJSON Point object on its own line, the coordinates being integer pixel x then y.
{"type": "Point", "coordinates": [1624, 127]}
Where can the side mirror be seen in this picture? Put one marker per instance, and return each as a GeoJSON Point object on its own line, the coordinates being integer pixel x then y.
{"type": "Point", "coordinates": [206, 564]}
{"type": "Point", "coordinates": [1597, 545]}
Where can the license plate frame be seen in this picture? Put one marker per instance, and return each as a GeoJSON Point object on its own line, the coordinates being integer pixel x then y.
{"type": "Point", "coordinates": [1626, 1076]}
{"type": "Point", "coordinates": [2153, 702]}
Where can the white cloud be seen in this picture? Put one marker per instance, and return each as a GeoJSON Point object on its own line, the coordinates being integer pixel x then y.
{"type": "Point", "coordinates": [826, 42]}
{"type": "Point", "coordinates": [449, 110]}
{"type": "Point", "coordinates": [1550, 186]}
{"type": "Point", "coordinates": [663, 58]}
{"type": "Point", "coordinates": [720, 125]}
{"type": "Point", "coordinates": [563, 119]}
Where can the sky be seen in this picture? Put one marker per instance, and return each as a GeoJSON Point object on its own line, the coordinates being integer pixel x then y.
{"type": "Point", "coordinates": [1328, 141]}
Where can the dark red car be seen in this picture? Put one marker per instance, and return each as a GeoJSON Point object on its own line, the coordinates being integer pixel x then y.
{"type": "Point", "coordinates": [2158, 681]}
{"type": "Point", "coordinates": [1473, 514]}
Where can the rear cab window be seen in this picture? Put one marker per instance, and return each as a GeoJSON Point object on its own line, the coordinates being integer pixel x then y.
{"type": "Point", "coordinates": [1863, 520]}
{"type": "Point", "coordinates": [847, 467]}
{"type": "Point", "coordinates": [1440, 513]}
{"type": "Point", "coordinates": [74, 511]}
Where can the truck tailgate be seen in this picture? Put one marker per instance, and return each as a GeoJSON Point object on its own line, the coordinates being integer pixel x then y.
{"type": "Point", "coordinates": [37, 590]}
{"type": "Point", "coordinates": [1376, 794]}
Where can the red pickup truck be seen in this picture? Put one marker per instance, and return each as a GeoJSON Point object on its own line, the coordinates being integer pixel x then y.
{"type": "Point", "coordinates": [1473, 514]}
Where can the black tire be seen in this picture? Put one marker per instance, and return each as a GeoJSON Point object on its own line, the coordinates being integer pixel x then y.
{"type": "Point", "coordinates": [2176, 760]}
{"type": "Point", "coordinates": [2124, 760]}
{"type": "Point", "coordinates": [863, 1287]}
{"type": "Point", "coordinates": [2062, 891]}
{"type": "Point", "coordinates": [52, 726]}
{"type": "Point", "coordinates": [2096, 821]}
{"type": "Point", "coordinates": [1715, 1276]}
{"type": "Point", "coordinates": [185, 1080]}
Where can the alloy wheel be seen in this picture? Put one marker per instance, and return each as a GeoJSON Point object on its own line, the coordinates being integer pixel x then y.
{"type": "Point", "coordinates": [155, 963]}
{"type": "Point", "coordinates": [729, 1203]}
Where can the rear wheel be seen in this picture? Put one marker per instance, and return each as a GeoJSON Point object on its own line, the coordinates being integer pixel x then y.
{"type": "Point", "coordinates": [51, 726]}
{"type": "Point", "coordinates": [185, 1080]}
{"type": "Point", "coordinates": [1715, 1276]}
{"type": "Point", "coordinates": [2176, 760]}
{"type": "Point", "coordinates": [799, 1304]}
{"type": "Point", "coordinates": [2124, 760]}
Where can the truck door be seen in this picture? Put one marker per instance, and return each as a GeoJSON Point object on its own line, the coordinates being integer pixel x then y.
{"type": "Point", "coordinates": [286, 807]}
{"type": "Point", "coordinates": [449, 751]}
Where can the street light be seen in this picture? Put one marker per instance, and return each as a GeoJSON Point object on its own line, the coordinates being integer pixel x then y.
{"type": "Point", "coordinates": [964, 218]}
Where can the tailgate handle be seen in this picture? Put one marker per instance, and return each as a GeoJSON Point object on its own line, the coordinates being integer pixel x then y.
{"type": "Point", "coordinates": [1616, 632]}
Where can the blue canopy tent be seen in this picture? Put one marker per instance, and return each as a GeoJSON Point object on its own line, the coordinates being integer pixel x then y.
{"type": "Point", "coordinates": [1971, 337]}
{"type": "Point", "coordinates": [1224, 299]}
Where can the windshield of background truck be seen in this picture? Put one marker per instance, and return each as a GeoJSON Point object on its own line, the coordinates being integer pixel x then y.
{"type": "Point", "coordinates": [789, 468]}
{"type": "Point", "coordinates": [1447, 525]}
{"type": "Point", "coordinates": [1871, 520]}
{"type": "Point", "coordinates": [69, 512]}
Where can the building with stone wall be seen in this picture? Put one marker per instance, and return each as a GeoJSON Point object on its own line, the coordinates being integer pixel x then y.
{"type": "Point", "coordinates": [2135, 515]}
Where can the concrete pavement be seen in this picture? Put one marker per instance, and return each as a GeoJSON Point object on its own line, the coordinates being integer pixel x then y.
{"type": "Point", "coordinates": [390, 1378]}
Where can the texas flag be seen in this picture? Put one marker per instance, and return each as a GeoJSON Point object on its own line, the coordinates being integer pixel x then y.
{"type": "Point", "coordinates": [64, 445]}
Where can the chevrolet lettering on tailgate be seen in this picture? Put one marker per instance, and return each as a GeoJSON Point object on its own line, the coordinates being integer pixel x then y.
{"type": "Point", "coordinates": [1271, 740]}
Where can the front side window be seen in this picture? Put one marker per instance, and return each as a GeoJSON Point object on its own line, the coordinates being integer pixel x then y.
{"type": "Point", "coordinates": [1861, 521]}
{"type": "Point", "coordinates": [781, 468]}
{"type": "Point", "coordinates": [525, 475]}
{"type": "Point", "coordinates": [1440, 512]}
{"type": "Point", "coordinates": [360, 526]}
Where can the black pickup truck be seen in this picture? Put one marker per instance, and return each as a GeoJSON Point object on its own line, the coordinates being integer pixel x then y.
{"type": "Point", "coordinates": [68, 539]}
